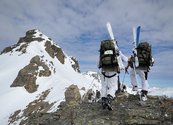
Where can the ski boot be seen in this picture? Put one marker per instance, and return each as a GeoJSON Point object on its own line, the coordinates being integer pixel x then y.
{"type": "Point", "coordinates": [144, 95]}
{"type": "Point", "coordinates": [109, 102]}
{"type": "Point", "coordinates": [104, 100]}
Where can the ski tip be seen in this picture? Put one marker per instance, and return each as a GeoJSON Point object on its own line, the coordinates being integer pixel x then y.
{"type": "Point", "coordinates": [108, 24]}
{"type": "Point", "coordinates": [138, 27]}
{"type": "Point", "coordinates": [135, 28]}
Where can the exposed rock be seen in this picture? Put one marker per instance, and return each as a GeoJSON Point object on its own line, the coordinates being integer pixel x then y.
{"type": "Point", "coordinates": [22, 48]}
{"type": "Point", "coordinates": [83, 88]}
{"type": "Point", "coordinates": [30, 37]}
{"type": "Point", "coordinates": [27, 76]}
{"type": "Point", "coordinates": [38, 105]}
{"type": "Point", "coordinates": [127, 111]}
{"type": "Point", "coordinates": [54, 51]}
{"type": "Point", "coordinates": [14, 116]}
{"type": "Point", "coordinates": [75, 65]}
{"type": "Point", "coordinates": [23, 42]}
{"type": "Point", "coordinates": [8, 49]}
{"type": "Point", "coordinates": [85, 97]}
{"type": "Point", "coordinates": [72, 95]}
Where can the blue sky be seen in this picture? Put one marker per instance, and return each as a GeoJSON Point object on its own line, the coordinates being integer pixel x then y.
{"type": "Point", "coordinates": [78, 26]}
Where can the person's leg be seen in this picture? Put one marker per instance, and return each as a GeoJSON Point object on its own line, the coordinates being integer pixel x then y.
{"type": "Point", "coordinates": [104, 86]}
{"type": "Point", "coordinates": [104, 91]}
{"type": "Point", "coordinates": [145, 85]}
{"type": "Point", "coordinates": [110, 91]}
{"type": "Point", "coordinates": [144, 82]}
{"type": "Point", "coordinates": [133, 79]}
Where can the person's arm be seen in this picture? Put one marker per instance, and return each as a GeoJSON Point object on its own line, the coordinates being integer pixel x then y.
{"type": "Point", "coordinates": [130, 61]}
{"type": "Point", "coordinates": [123, 57]}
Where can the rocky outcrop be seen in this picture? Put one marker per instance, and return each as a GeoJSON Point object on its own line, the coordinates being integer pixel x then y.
{"type": "Point", "coordinates": [54, 51]}
{"type": "Point", "coordinates": [75, 65]}
{"type": "Point", "coordinates": [38, 105]}
{"type": "Point", "coordinates": [27, 76]}
{"type": "Point", "coordinates": [127, 111]}
{"type": "Point", "coordinates": [72, 96]}
{"type": "Point", "coordinates": [30, 37]}
{"type": "Point", "coordinates": [8, 49]}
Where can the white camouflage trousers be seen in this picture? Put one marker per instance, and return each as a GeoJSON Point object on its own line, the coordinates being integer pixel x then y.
{"type": "Point", "coordinates": [109, 85]}
{"type": "Point", "coordinates": [141, 74]}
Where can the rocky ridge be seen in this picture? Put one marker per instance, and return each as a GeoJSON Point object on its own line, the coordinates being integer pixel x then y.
{"type": "Point", "coordinates": [37, 66]}
{"type": "Point", "coordinates": [128, 110]}
{"type": "Point", "coordinates": [35, 72]}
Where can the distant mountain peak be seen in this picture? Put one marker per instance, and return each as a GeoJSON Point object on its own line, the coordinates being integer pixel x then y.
{"type": "Point", "coordinates": [30, 36]}
{"type": "Point", "coordinates": [33, 67]}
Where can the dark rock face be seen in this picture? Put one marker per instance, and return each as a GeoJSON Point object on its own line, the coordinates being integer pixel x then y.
{"type": "Point", "coordinates": [127, 111]}
{"type": "Point", "coordinates": [23, 42]}
{"type": "Point", "coordinates": [54, 51]}
{"type": "Point", "coordinates": [7, 49]}
{"type": "Point", "coordinates": [30, 37]}
{"type": "Point", "coordinates": [75, 65]}
{"type": "Point", "coordinates": [27, 76]}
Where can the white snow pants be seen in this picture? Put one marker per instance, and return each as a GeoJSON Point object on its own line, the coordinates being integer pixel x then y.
{"type": "Point", "coordinates": [109, 85]}
{"type": "Point", "coordinates": [141, 74]}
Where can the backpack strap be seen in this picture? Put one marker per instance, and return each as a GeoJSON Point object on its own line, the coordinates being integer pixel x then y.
{"type": "Point", "coordinates": [148, 67]}
{"type": "Point", "coordinates": [103, 73]}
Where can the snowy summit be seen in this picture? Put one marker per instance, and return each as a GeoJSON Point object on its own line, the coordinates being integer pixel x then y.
{"type": "Point", "coordinates": [34, 75]}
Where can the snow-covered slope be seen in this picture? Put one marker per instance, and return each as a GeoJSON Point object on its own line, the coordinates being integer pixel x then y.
{"type": "Point", "coordinates": [60, 75]}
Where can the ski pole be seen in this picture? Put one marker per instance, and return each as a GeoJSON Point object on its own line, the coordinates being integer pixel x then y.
{"type": "Point", "coordinates": [124, 77]}
{"type": "Point", "coordinates": [89, 87]}
{"type": "Point", "coordinates": [87, 90]}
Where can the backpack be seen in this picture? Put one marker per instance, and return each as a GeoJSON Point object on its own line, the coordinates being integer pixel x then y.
{"type": "Point", "coordinates": [108, 56]}
{"type": "Point", "coordinates": [144, 54]}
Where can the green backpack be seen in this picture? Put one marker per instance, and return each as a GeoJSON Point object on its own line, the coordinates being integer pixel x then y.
{"type": "Point", "coordinates": [144, 54]}
{"type": "Point", "coordinates": [108, 54]}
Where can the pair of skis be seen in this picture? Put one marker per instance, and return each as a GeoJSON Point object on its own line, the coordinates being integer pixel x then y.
{"type": "Point", "coordinates": [136, 33]}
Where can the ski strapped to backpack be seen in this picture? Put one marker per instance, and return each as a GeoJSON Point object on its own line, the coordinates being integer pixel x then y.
{"type": "Point", "coordinates": [136, 33]}
{"type": "Point", "coordinates": [141, 51]}
{"type": "Point", "coordinates": [120, 63]}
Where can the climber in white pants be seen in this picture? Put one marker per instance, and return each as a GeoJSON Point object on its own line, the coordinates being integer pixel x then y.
{"type": "Point", "coordinates": [134, 72]}
{"type": "Point", "coordinates": [133, 79]}
{"type": "Point", "coordinates": [109, 85]}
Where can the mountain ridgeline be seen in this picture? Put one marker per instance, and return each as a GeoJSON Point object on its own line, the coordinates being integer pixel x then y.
{"type": "Point", "coordinates": [35, 73]}
{"type": "Point", "coordinates": [42, 85]}
{"type": "Point", "coordinates": [27, 75]}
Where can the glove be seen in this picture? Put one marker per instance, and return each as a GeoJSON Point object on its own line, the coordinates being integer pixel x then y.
{"type": "Point", "coordinates": [126, 70]}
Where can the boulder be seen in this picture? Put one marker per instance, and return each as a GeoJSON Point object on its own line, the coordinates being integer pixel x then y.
{"type": "Point", "coordinates": [72, 96]}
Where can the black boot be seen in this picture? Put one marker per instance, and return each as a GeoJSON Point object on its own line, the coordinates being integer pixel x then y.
{"type": "Point", "coordinates": [144, 95]}
{"type": "Point", "coordinates": [104, 100]}
{"type": "Point", "coordinates": [109, 102]}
